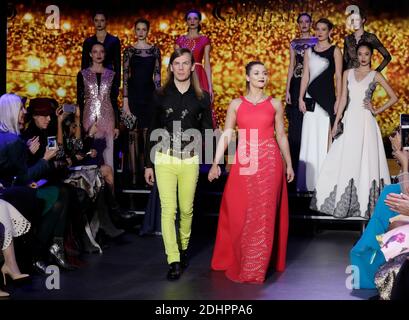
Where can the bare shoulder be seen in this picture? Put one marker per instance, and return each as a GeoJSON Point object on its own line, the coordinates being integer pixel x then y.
{"type": "Point", "coordinates": [276, 103]}
{"type": "Point", "coordinates": [337, 50]}
{"type": "Point", "coordinates": [234, 104]}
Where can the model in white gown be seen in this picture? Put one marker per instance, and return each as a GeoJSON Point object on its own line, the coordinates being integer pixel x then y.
{"type": "Point", "coordinates": [355, 168]}
{"type": "Point", "coordinates": [316, 125]}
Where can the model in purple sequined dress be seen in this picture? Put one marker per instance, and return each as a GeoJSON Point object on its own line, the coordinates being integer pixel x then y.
{"type": "Point", "coordinates": [96, 96]}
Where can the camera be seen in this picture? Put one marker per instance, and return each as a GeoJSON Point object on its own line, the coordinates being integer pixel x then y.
{"type": "Point", "coordinates": [52, 142]}
{"type": "Point", "coordinates": [68, 108]}
{"type": "Point", "coordinates": [404, 131]}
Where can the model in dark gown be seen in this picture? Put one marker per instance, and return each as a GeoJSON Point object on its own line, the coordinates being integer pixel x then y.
{"type": "Point", "coordinates": [142, 75]}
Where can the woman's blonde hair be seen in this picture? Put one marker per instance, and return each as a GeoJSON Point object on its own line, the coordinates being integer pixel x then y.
{"type": "Point", "coordinates": [10, 106]}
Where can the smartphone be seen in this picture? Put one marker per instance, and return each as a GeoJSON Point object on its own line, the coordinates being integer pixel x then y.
{"type": "Point", "coordinates": [41, 182]}
{"type": "Point", "coordinates": [52, 142]}
{"type": "Point", "coordinates": [68, 108]}
{"type": "Point", "coordinates": [404, 131]}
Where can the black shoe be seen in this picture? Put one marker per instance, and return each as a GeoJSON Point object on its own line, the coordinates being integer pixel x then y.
{"type": "Point", "coordinates": [57, 252]}
{"type": "Point", "coordinates": [123, 214]}
{"type": "Point", "coordinates": [184, 260]}
{"type": "Point", "coordinates": [174, 271]}
{"type": "Point", "coordinates": [40, 267]}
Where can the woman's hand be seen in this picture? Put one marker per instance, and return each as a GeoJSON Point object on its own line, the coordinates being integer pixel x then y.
{"type": "Point", "coordinates": [334, 129]}
{"type": "Point", "coordinates": [116, 133]}
{"type": "Point", "coordinates": [149, 176]}
{"type": "Point", "coordinates": [79, 157]}
{"type": "Point", "coordinates": [77, 112]}
{"type": "Point", "coordinates": [93, 130]}
{"type": "Point", "coordinates": [290, 174]}
{"type": "Point", "coordinates": [401, 156]}
{"type": "Point", "coordinates": [301, 105]}
{"type": "Point", "coordinates": [61, 115]}
{"type": "Point", "coordinates": [368, 105]}
{"type": "Point", "coordinates": [93, 153]}
{"type": "Point", "coordinates": [69, 162]}
{"type": "Point", "coordinates": [214, 172]}
{"type": "Point", "coordinates": [396, 141]}
{"type": "Point", "coordinates": [33, 144]}
{"type": "Point", "coordinates": [50, 153]}
{"type": "Point", "coordinates": [288, 97]}
{"type": "Point", "coordinates": [211, 95]}
{"type": "Point", "coordinates": [398, 203]}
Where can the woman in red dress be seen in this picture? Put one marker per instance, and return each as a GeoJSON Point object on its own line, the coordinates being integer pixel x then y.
{"type": "Point", "coordinates": [253, 220]}
{"type": "Point", "coordinates": [200, 46]}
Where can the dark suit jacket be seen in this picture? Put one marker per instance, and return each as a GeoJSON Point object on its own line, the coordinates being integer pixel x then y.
{"type": "Point", "coordinates": [13, 162]}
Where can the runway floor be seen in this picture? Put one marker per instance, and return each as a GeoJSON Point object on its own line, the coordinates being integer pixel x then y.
{"type": "Point", "coordinates": [134, 267]}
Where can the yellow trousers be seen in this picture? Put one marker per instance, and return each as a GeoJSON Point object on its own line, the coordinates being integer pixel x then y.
{"type": "Point", "coordinates": [176, 180]}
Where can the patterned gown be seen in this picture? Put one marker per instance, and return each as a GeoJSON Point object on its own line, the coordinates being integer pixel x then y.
{"type": "Point", "coordinates": [355, 169]}
{"type": "Point", "coordinates": [316, 124]}
{"type": "Point", "coordinates": [253, 220]}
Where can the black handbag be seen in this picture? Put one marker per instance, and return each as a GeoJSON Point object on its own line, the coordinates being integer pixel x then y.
{"type": "Point", "coordinates": [340, 130]}
{"type": "Point", "coordinates": [309, 104]}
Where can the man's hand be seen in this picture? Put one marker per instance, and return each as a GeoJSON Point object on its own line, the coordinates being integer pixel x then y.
{"type": "Point", "coordinates": [149, 176]}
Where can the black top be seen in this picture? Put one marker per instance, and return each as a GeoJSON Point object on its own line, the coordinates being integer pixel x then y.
{"type": "Point", "coordinates": [112, 59]}
{"type": "Point", "coordinates": [351, 57]}
{"type": "Point", "coordinates": [13, 162]}
{"type": "Point", "coordinates": [141, 78]}
{"type": "Point", "coordinates": [322, 87]}
{"type": "Point", "coordinates": [299, 46]}
{"type": "Point", "coordinates": [33, 131]}
{"type": "Point", "coordinates": [176, 112]}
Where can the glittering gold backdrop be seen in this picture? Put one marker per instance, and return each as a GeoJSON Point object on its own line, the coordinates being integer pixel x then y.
{"type": "Point", "coordinates": [44, 62]}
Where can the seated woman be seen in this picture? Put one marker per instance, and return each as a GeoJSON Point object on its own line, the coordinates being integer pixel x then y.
{"type": "Point", "coordinates": [13, 224]}
{"type": "Point", "coordinates": [15, 171]}
{"type": "Point", "coordinates": [79, 152]}
{"type": "Point", "coordinates": [367, 254]}
{"type": "Point", "coordinates": [395, 242]}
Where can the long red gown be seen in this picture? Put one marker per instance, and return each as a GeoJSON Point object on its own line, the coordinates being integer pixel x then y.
{"type": "Point", "coordinates": [197, 47]}
{"type": "Point", "coordinates": [253, 220]}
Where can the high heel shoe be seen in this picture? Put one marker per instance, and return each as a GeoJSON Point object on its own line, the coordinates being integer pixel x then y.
{"type": "Point", "coordinates": [15, 277]}
{"type": "Point", "coordinates": [4, 294]}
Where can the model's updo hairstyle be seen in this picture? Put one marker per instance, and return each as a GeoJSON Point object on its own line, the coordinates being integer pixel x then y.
{"type": "Point", "coordinates": [249, 66]}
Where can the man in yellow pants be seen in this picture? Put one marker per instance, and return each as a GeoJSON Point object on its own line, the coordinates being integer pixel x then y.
{"type": "Point", "coordinates": [180, 109]}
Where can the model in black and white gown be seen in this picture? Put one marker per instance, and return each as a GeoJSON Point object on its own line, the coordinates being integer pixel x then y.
{"type": "Point", "coordinates": [322, 63]}
{"type": "Point", "coordinates": [355, 169]}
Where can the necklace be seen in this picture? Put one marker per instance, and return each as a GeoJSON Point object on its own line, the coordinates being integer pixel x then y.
{"type": "Point", "coordinates": [263, 97]}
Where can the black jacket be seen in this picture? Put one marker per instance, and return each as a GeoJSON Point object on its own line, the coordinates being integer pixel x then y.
{"type": "Point", "coordinates": [13, 162]}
